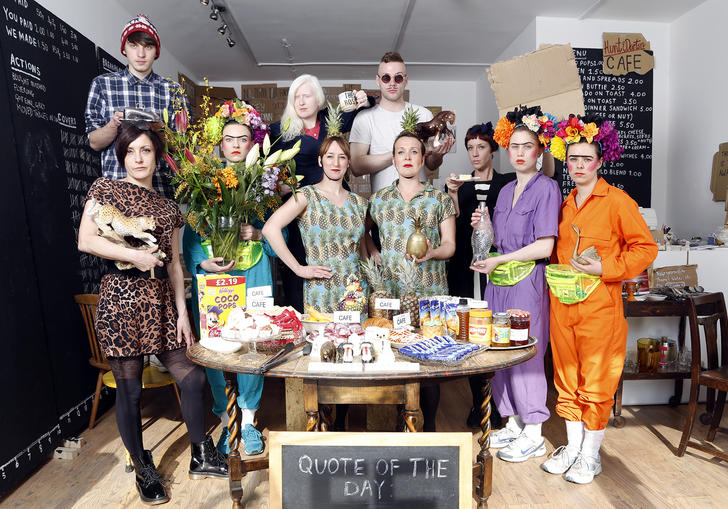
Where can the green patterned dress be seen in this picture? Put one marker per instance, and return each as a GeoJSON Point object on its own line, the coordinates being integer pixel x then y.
{"type": "Point", "coordinates": [331, 236]}
{"type": "Point", "coordinates": [395, 218]}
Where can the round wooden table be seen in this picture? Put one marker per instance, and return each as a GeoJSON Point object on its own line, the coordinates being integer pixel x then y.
{"type": "Point", "coordinates": [361, 388]}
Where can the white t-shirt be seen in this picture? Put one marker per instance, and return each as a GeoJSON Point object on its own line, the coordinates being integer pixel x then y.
{"type": "Point", "coordinates": [378, 128]}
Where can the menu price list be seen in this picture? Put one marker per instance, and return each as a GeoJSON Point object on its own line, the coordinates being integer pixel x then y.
{"type": "Point", "coordinates": [38, 50]}
{"type": "Point", "coordinates": [627, 102]}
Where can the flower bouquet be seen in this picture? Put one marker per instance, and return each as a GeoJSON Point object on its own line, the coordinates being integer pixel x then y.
{"type": "Point", "coordinates": [219, 198]}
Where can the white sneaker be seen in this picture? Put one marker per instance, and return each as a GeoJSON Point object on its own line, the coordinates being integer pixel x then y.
{"type": "Point", "coordinates": [584, 469]}
{"type": "Point", "coordinates": [523, 448]}
{"type": "Point", "coordinates": [503, 437]}
{"type": "Point", "coordinates": [560, 461]}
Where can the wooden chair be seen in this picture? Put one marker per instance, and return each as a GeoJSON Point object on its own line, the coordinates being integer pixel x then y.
{"type": "Point", "coordinates": [712, 312]}
{"type": "Point", "coordinates": [151, 376]}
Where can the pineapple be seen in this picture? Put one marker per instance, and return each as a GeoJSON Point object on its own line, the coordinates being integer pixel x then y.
{"type": "Point", "coordinates": [333, 121]}
{"type": "Point", "coordinates": [411, 279]}
{"type": "Point", "coordinates": [417, 242]}
{"type": "Point", "coordinates": [377, 288]}
{"type": "Point", "coordinates": [410, 118]}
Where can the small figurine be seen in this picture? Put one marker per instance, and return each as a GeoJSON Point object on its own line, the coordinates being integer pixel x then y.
{"type": "Point", "coordinates": [436, 127]}
{"type": "Point", "coordinates": [328, 352]}
{"type": "Point", "coordinates": [367, 352]}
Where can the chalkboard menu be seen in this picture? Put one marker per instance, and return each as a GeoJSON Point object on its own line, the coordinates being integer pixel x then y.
{"type": "Point", "coordinates": [108, 63]}
{"type": "Point", "coordinates": [402, 477]}
{"type": "Point", "coordinates": [48, 68]}
{"type": "Point", "coordinates": [626, 101]}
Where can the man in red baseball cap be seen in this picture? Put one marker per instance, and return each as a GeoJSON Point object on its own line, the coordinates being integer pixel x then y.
{"type": "Point", "coordinates": [137, 86]}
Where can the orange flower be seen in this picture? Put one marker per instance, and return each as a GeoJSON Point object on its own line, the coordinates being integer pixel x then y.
{"type": "Point", "coordinates": [227, 175]}
{"type": "Point", "coordinates": [572, 135]}
{"type": "Point", "coordinates": [590, 130]}
{"type": "Point", "coordinates": [503, 132]}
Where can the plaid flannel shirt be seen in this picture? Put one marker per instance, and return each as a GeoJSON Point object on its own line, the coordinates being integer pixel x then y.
{"type": "Point", "coordinates": [115, 91]}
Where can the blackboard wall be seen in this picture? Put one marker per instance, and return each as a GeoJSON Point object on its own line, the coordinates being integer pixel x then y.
{"type": "Point", "coordinates": [46, 71]}
{"type": "Point", "coordinates": [627, 102]}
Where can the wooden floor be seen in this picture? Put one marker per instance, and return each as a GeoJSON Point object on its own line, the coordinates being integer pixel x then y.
{"type": "Point", "coordinates": [640, 468]}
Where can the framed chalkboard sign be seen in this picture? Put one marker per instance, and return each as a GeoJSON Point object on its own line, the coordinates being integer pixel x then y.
{"type": "Point", "coordinates": [370, 470]}
{"type": "Point", "coordinates": [626, 101]}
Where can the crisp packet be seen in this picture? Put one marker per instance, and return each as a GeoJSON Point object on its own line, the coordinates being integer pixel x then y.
{"type": "Point", "coordinates": [424, 311]}
{"type": "Point", "coordinates": [434, 309]}
{"type": "Point", "coordinates": [450, 316]}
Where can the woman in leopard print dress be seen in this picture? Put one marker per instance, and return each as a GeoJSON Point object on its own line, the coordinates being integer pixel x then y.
{"type": "Point", "coordinates": [139, 314]}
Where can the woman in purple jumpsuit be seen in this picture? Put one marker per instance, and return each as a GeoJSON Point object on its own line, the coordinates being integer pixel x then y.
{"type": "Point", "coordinates": [525, 223]}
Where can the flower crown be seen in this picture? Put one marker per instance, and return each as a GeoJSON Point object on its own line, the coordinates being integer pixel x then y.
{"type": "Point", "coordinates": [590, 129]}
{"type": "Point", "coordinates": [533, 118]}
{"type": "Point", "coordinates": [241, 112]}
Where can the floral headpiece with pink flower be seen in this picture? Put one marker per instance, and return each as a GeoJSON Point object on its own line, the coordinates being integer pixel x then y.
{"type": "Point", "coordinates": [531, 117]}
{"type": "Point", "coordinates": [588, 128]}
{"type": "Point", "coordinates": [241, 112]}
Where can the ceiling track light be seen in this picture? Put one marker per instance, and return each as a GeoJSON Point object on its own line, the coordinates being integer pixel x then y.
{"type": "Point", "coordinates": [204, 2]}
{"type": "Point", "coordinates": [222, 28]}
{"type": "Point", "coordinates": [214, 15]}
{"type": "Point", "coordinates": [230, 42]}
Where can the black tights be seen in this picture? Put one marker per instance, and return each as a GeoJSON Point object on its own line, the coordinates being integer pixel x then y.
{"type": "Point", "coordinates": [190, 379]}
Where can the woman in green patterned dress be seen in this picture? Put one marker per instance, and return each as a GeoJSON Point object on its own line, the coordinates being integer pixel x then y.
{"type": "Point", "coordinates": [331, 220]}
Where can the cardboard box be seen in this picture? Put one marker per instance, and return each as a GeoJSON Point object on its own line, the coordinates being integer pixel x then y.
{"type": "Point", "coordinates": [625, 53]}
{"type": "Point", "coordinates": [218, 294]}
{"type": "Point", "coordinates": [547, 77]}
{"type": "Point", "coordinates": [719, 175]}
{"type": "Point", "coordinates": [675, 275]}
{"type": "Point", "coordinates": [258, 91]}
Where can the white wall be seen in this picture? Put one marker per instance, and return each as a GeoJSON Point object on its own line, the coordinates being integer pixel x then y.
{"type": "Point", "coordinates": [588, 34]}
{"type": "Point", "coordinates": [102, 21]}
{"type": "Point", "coordinates": [698, 105]}
{"type": "Point", "coordinates": [458, 96]}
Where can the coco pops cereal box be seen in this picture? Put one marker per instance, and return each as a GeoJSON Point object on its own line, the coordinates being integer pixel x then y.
{"type": "Point", "coordinates": [218, 294]}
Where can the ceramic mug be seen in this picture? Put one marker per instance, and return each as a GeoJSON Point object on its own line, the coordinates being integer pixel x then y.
{"type": "Point", "coordinates": [347, 100]}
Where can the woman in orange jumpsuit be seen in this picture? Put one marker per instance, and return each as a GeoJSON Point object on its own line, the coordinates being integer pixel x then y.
{"type": "Point", "coordinates": [589, 338]}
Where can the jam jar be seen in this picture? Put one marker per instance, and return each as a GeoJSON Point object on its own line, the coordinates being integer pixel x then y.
{"type": "Point", "coordinates": [501, 330]}
{"type": "Point", "coordinates": [520, 326]}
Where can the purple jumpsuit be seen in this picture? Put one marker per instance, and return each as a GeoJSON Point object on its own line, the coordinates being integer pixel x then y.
{"type": "Point", "coordinates": [521, 390]}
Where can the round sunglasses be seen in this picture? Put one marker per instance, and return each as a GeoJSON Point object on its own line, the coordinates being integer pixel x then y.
{"type": "Point", "coordinates": [386, 78]}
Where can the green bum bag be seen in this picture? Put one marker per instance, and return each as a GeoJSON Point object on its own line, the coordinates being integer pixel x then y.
{"type": "Point", "coordinates": [510, 273]}
{"type": "Point", "coordinates": [247, 255]}
{"type": "Point", "coordinates": [570, 285]}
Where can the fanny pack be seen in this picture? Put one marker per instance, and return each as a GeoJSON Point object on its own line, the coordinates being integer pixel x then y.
{"type": "Point", "coordinates": [510, 273]}
{"type": "Point", "coordinates": [247, 255]}
{"type": "Point", "coordinates": [569, 285]}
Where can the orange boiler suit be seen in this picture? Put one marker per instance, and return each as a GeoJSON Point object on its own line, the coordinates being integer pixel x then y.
{"type": "Point", "coordinates": [589, 338]}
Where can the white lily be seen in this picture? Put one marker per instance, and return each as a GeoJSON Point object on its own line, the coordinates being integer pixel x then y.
{"type": "Point", "coordinates": [253, 156]}
{"type": "Point", "coordinates": [266, 145]}
{"type": "Point", "coordinates": [273, 158]}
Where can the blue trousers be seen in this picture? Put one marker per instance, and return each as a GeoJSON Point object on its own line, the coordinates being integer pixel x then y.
{"type": "Point", "coordinates": [250, 388]}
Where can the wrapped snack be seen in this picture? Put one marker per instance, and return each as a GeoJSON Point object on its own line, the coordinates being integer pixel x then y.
{"type": "Point", "coordinates": [424, 311]}
{"type": "Point", "coordinates": [434, 309]}
{"type": "Point", "coordinates": [450, 317]}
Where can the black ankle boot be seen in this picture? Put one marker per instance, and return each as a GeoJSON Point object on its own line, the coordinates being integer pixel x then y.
{"type": "Point", "coordinates": [149, 483]}
{"type": "Point", "coordinates": [207, 461]}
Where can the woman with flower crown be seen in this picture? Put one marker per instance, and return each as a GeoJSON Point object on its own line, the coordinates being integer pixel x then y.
{"type": "Point", "coordinates": [525, 223]}
{"type": "Point", "coordinates": [589, 331]}
{"type": "Point", "coordinates": [236, 127]}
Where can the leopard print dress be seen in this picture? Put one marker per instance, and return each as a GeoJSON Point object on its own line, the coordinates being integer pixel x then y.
{"type": "Point", "coordinates": [137, 316]}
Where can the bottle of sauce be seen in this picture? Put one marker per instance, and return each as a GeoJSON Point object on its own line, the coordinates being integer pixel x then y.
{"type": "Point", "coordinates": [463, 312]}
{"type": "Point", "coordinates": [520, 325]}
{"type": "Point", "coordinates": [501, 330]}
{"type": "Point", "coordinates": [481, 326]}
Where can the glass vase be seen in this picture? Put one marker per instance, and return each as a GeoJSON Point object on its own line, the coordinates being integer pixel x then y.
{"type": "Point", "coordinates": [226, 239]}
